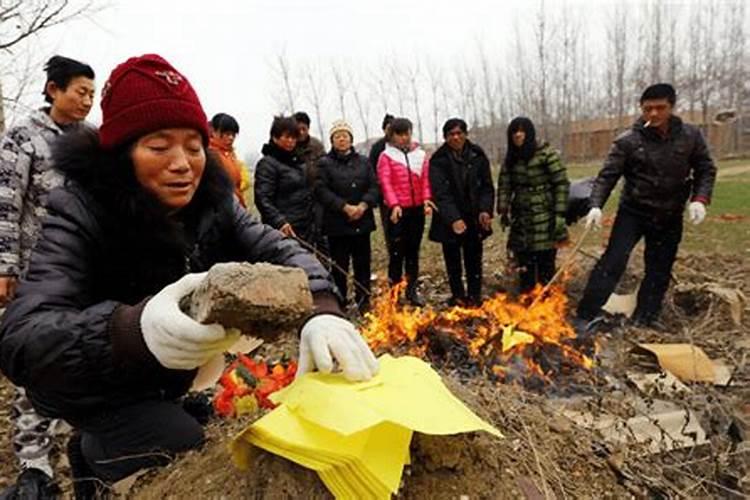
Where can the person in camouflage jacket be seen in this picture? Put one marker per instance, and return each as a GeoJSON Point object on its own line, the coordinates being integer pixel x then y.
{"type": "Point", "coordinates": [26, 179]}
{"type": "Point", "coordinates": [26, 175]}
{"type": "Point", "coordinates": [532, 196]}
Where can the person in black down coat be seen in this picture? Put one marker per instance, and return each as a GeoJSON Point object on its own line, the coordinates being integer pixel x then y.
{"type": "Point", "coordinates": [348, 190]}
{"type": "Point", "coordinates": [96, 335]}
{"type": "Point", "coordinates": [283, 187]}
{"type": "Point", "coordinates": [666, 164]}
{"type": "Point", "coordinates": [462, 190]}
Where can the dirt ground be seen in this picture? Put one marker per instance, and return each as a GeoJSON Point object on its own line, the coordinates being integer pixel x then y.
{"type": "Point", "coordinates": [544, 454]}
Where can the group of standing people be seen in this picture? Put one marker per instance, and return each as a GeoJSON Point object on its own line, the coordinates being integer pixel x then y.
{"type": "Point", "coordinates": [104, 231]}
{"type": "Point", "coordinates": [328, 202]}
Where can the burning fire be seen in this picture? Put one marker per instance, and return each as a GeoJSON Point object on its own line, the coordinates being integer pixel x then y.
{"type": "Point", "coordinates": [504, 336]}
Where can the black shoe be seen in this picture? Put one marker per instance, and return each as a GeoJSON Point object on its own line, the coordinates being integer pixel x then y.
{"type": "Point", "coordinates": [414, 298]}
{"type": "Point", "coordinates": [586, 327]}
{"type": "Point", "coordinates": [198, 405]}
{"type": "Point", "coordinates": [455, 301]}
{"type": "Point", "coordinates": [474, 301]}
{"type": "Point", "coordinates": [32, 484]}
{"type": "Point", "coordinates": [85, 484]}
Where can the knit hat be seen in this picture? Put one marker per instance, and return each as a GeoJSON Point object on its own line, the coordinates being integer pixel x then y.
{"type": "Point", "coordinates": [341, 126]}
{"type": "Point", "coordinates": [145, 94]}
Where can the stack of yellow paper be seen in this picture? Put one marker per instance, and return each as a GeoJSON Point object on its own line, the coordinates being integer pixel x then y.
{"type": "Point", "coordinates": [356, 435]}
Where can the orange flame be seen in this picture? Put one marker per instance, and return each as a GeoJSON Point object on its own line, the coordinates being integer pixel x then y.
{"type": "Point", "coordinates": [501, 330]}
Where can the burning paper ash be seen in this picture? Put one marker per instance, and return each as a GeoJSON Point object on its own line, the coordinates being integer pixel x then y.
{"type": "Point", "coordinates": [527, 339]}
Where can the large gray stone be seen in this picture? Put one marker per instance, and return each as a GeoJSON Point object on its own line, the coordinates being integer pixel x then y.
{"type": "Point", "coordinates": [261, 300]}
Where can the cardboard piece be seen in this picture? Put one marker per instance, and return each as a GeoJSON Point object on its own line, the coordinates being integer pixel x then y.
{"type": "Point", "coordinates": [663, 383]}
{"type": "Point", "coordinates": [685, 361]}
{"type": "Point", "coordinates": [666, 428]}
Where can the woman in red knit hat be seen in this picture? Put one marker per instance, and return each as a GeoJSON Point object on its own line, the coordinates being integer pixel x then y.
{"type": "Point", "coordinates": [96, 334]}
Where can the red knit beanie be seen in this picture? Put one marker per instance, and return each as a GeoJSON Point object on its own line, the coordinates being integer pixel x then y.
{"type": "Point", "coordinates": [145, 94]}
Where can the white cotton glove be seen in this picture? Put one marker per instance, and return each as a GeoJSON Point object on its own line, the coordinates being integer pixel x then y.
{"type": "Point", "coordinates": [175, 339]}
{"type": "Point", "coordinates": [594, 218]}
{"type": "Point", "coordinates": [327, 337]}
{"type": "Point", "coordinates": [696, 212]}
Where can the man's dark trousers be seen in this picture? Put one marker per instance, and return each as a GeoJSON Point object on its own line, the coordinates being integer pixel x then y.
{"type": "Point", "coordinates": [470, 245]}
{"type": "Point", "coordinates": [662, 237]}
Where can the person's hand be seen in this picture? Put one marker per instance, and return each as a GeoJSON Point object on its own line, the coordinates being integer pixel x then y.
{"type": "Point", "coordinates": [326, 338]}
{"type": "Point", "coordinates": [288, 231]}
{"type": "Point", "coordinates": [485, 221]}
{"type": "Point", "coordinates": [594, 218]}
{"type": "Point", "coordinates": [459, 226]}
{"type": "Point", "coordinates": [350, 211]}
{"type": "Point", "coordinates": [359, 210]}
{"type": "Point", "coordinates": [561, 229]}
{"type": "Point", "coordinates": [7, 289]}
{"type": "Point", "coordinates": [504, 221]}
{"type": "Point", "coordinates": [175, 339]}
{"type": "Point", "coordinates": [396, 214]}
{"type": "Point", "coordinates": [696, 212]}
{"type": "Point", "coordinates": [429, 207]}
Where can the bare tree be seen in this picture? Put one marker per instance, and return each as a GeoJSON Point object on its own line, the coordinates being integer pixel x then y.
{"type": "Point", "coordinates": [617, 58]}
{"type": "Point", "coordinates": [413, 74]}
{"type": "Point", "coordinates": [567, 65]}
{"type": "Point", "coordinates": [316, 95]}
{"type": "Point", "coordinates": [435, 81]}
{"type": "Point", "coordinates": [488, 88]}
{"type": "Point", "coordinates": [395, 71]}
{"type": "Point", "coordinates": [341, 79]}
{"type": "Point", "coordinates": [671, 18]}
{"type": "Point", "coordinates": [708, 58]}
{"type": "Point", "coordinates": [542, 39]}
{"type": "Point", "coordinates": [287, 81]}
{"type": "Point", "coordinates": [379, 86]}
{"type": "Point", "coordinates": [363, 104]}
{"type": "Point", "coordinates": [21, 20]}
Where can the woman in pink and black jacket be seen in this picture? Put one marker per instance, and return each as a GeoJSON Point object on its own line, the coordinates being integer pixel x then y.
{"type": "Point", "coordinates": [404, 181]}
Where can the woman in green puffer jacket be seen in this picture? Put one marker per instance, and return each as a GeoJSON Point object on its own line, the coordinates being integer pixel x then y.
{"type": "Point", "coordinates": [532, 196]}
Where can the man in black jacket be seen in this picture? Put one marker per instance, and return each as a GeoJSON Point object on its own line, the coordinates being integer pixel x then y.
{"type": "Point", "coordinates": [665, 162]}
{"type": "Point", "coordinates": [463, 193]}
{"type": "Point", "coordinates": [379, 145]}
{"type": "Point", "coordinates": [377, 148]}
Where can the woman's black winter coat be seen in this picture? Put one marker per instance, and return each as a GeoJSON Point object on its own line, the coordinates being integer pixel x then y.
{"type": "Point", "coordinates": [72, 336]}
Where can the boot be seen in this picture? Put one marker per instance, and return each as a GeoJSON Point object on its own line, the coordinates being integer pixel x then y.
{"type": "Point", "coordinates": [32, 484]}
{"type": "Point", "coordinates": [412, 296]}
{"type": "Point", "coordinates": [85, 484]}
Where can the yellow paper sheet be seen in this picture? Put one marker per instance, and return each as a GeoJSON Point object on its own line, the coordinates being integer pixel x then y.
{"type": "Point", "coordinates": [407, 392]}
{"type": "Point", "coordinates": [356, 435]}
{"type": "Point", "coordinates": [375, 457]}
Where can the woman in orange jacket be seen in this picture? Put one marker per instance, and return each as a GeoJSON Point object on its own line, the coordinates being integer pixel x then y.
{"type": "Point", "coordinates": [224, 130]}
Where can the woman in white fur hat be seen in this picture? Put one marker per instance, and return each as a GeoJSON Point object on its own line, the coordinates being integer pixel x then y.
{"type": "Point", "coordinates": [347, 188]}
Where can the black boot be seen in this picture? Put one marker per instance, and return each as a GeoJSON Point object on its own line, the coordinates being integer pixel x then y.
{"type": "Point", "coordinates": [32, 484]}
{"type": "Point", "coordinates": [412, 296]}
{"type": "Point", "coordinates": [85, 484]}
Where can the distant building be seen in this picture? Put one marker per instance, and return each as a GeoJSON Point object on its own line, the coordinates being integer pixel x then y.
{"type": "Point", "coordinates": [727, 131]}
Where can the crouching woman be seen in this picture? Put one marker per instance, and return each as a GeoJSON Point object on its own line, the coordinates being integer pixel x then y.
{"type": "Point", "coordinates": [96, 335]}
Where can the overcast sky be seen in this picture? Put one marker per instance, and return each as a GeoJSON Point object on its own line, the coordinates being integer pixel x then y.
{"type": "Point", "coordinates": [225, 47]}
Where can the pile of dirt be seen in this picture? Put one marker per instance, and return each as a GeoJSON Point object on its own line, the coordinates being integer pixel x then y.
{"type": "Point", "coordinates": [540, 452]}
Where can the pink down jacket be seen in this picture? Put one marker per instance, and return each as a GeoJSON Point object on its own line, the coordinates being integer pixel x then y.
{"type": "Point", "coordinates": [404, 177]}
